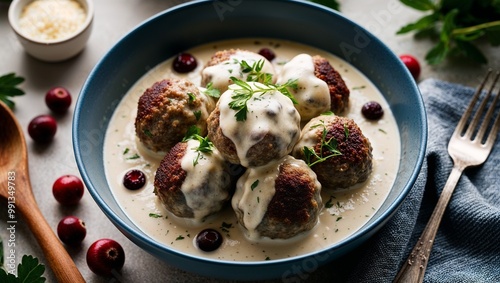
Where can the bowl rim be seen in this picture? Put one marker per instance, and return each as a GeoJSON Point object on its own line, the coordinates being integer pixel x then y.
{"type": "Point", "coordinates": [14, 18]}
{"type": "Point", "coordinates": [141, 239]}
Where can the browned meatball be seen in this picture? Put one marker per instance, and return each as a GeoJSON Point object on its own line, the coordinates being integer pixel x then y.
{"type": "Point", "coordinates": [167, 109]}
{"type": "Point", "coordinates": [193, 184]}
{"type": "Point", "coordinates": [227, 63]}
{"type": "Point", "coordinates": [269, 132]}
{"type": "Point", "coordinates": [327, 134]}
{"type": "Point", "coordinates": [279, 200]}
{"type": "Point", "coordinates": [339, 93]}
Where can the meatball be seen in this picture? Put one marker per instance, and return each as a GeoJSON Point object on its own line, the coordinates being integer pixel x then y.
{"type": "Point", "coordinates": [231, 63]}
{"type": "Point", "coordinates": [279, 200]}
{"type": "Point", "coordinates": [339, 93]}
{"type": "Point", "coordinates": [320, 88]}
{"type": "Point", "coordinates": [337, 151]}
{"type": "Point", "coordinates": [192, 183]}
{"type": "Point", "coordinates": [269, 130]}
{"type": "Point", "coordinates": [167, 109]}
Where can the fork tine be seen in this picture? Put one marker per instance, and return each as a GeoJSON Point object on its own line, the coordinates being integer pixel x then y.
{"type": "Point", "coordinates": [463, 121]}
{"type": "Point", "coordinates": [479, 112]}
{"type": "Point", "coordinates": [496, 126]}
{"type": "Point", "coordinates": [489, 114]}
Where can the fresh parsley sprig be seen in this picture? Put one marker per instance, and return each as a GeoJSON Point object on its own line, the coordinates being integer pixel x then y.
{"type": "Point", "coordinates": [243, 92]}
{"type": "Point", "coordinates": [254, 72]}
{"type": "Point", "coordinates": [206, 146]}
{"type": "Point", "coordinates": [457, 25]}
{"type": "Point", "coordinates": [328, 147]}
{"type": "Point", "coordinates": [9, 88]}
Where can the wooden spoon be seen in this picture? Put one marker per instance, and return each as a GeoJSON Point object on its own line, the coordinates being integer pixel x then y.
{"type": "Point", "coordinates": [16, 187]}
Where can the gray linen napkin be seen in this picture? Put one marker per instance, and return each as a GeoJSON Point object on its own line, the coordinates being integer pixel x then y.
{"type": "Point", "coordinates": [467, 246]}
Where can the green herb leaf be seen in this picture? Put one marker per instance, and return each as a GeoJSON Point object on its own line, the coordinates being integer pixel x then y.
{"type": "Point", "coordinates": [30, 270]}
{"type": "Point", "coordinates": [422, 5]}
{"type": "Point", "coordinates": [211, 91]}
{"type": "Point", "coordinates": [423, 23]}
{"type": "Point", "coordinates": [328, 148]}
{"type": "Point", "coordinates": [437, 54]}
{"type": "Point", "coordinates": [155, 215]}
{"type": "Point", "coordinates": [471, 51]}
{"type": "Point", "coordinates": [333, 4]}
{"type": "Point", "coordinates": [245, 92]}
{"type": "Point", "coordinates": [254, 184]}
{"type": "Point", "coordinates": [9, 87]}
{"type": "Point", "coordinates": [206, 146]}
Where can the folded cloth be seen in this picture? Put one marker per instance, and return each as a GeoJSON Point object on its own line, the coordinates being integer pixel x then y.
{"type": "Point", "coordinates": [467, 246]}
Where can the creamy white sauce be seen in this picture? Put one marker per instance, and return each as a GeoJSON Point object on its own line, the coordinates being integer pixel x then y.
{"type": "Point", "coordinates": [255, 190]}
{"type": "Point", "coordinates": [348, 210]}
{"type": "Point", "coordinates": [268, 113]}
{"type": "Point", "coordinates": [206, 186]}
{"type": "Point", "coordinates": [312, 94]}
{"type": "Point", "coordinates": [220, 74]}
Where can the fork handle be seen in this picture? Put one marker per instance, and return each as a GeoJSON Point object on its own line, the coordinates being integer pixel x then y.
{"type": "Point", "coordinates": [413, 268]}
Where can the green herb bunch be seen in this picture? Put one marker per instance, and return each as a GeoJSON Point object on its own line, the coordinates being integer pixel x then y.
{"type": "Point", "coordinates": [458, 24]}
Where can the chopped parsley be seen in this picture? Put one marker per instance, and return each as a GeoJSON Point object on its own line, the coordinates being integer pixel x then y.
{"type": "Point", "coordinates": [135, 156]}
{"type": "Point", "coordinates": [254, 184]}
{"type": "Point", "coordinates": [155, 215]}
{"type": "Point", "coordinates": [191, 96]}
{"type": "Point", "coordinates": [211, 91]}
{"type": "Point", "coordinates": [197, 114]}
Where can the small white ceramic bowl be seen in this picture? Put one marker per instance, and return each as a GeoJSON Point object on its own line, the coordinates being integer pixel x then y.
{"type": "Point", "coordinates": [53, 50]}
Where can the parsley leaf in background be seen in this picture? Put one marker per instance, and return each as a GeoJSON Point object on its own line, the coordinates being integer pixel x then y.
{"type": "Point", "coordinates": [9, 87]}
{"type": "Point", "coordinates": [328, 3]}
{"type": "Point", "coordinates": [457, 24]}
{"type": "Point", "coordinates": [28, 271]}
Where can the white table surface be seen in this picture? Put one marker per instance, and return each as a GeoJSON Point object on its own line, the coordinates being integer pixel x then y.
{"type": "Point", "coordinates": [113, 19]}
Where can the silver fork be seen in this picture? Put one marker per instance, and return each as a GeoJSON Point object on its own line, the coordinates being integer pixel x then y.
{"type": "Point", "coordinates": [467, 147]}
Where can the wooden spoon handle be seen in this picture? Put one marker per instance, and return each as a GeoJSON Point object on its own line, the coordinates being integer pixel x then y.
{"type": "Point", "coordinates": [57, 257]}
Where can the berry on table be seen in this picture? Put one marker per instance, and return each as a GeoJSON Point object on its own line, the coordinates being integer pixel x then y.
{"type": "Point", "coordinates": [58, 99]}
{"type": "Point", "coordinates": [208, 240]}
{"type": "Point", "coordinates": [71, 230]}
{"type": "Point", "coordinates": [42, 128]}
{"type": "Point", "coordinates": [105, 256]}
{"type": "Point", "coordinates": [184, 63]}
{"type": "Point", "coordinates": [68, 189]}
{"type": "Point", "coordinates": [412, 64]}
{"type": "Point", "coordinates": [372, 110]}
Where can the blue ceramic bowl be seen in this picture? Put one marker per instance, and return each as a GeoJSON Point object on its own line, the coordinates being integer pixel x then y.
{"type": "Point", "coordinates": [195, 23]}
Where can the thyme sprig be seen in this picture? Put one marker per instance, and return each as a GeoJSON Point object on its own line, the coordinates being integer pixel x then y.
{"type": "Point", "coordinates": [243, 92]}
{"type": "Point", "coordinates": [327, 145]}
{"type": "Point", "coordinates": [206, 146]}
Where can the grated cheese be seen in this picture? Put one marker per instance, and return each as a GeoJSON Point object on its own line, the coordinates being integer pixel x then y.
{"type": "Point", "coordinates": [49, 20]}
